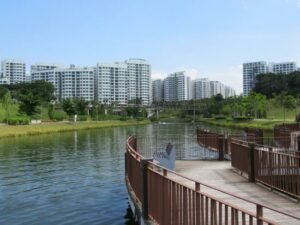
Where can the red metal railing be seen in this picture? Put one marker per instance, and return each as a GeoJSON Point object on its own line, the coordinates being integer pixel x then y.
{"type": "Point", "coordinates": [208, 139]}
{"type": "Point", "coordinates": [280, 171]}
{"type": "Point", "coordinates": [282, 133]}
{"type": "Point", "coordinates": [132, 167]}
{"type": "Point", "coordinates": [176, 199]}
{"type": "Point", "coordinates": [239, 155]}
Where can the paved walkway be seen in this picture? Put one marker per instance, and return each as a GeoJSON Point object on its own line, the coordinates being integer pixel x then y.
{"type": "Point", "coordinates": [223, 176]}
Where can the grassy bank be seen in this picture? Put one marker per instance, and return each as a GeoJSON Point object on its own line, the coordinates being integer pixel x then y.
{"type": "Point", "coordinates": [14, 131]}
{"type": "Point", "coordinates": [265, 124]}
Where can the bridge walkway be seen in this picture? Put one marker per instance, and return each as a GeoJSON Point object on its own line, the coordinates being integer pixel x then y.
{"type": "Point", "coordinates": [220, 174]}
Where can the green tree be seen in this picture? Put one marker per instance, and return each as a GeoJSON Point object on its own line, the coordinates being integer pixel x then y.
{"type": "Point", "coordinates": [7, 103]}
{"type": "Point", "coordinates": [29, 104]}
{"type": "Point", "coordinates": [81, 106]}
{"type": "Point", "coordinates": [287, 102]}
{"type": "Point", "coordinates": [69, 106]}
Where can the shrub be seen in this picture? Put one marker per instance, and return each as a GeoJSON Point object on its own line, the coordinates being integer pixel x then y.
{"type": "Point", "coordinates": [58, 115]}
{"type": "Point", "coordinates": [18, 120]}
{"type": "Point", "coordinates": [140, 118]}
{"type": "Point", "coordinates": [242, 118]}
{"type": "Point", "coordinates": [153, 119]}
{"type": "Point", "coordinates": [220, 117]}
{"type": "Point", "coordinates": [82, 118]}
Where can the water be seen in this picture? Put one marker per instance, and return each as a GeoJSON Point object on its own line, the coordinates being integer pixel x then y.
{"type": "Point", "coordinates": [70, 178]}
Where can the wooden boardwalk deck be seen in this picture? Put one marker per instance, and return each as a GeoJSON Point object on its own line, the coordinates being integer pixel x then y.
{"type": "Point", "coordinates": [223, 176]}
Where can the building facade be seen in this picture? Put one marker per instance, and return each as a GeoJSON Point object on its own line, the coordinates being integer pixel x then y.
{"type": "Point", "coordinates": [250, 71]}
{"type": "Point", "coordinates": [202, 88]}
{"type": "Point", "coordinates": [69, 82]}
{"type": "Point", "coordinates": [138, 81]}
{"type": "Point", "coordinates": [282, 68]}
{"type": "Point", "coordinates": [110, 83]}
{"type": "Point", "coordinates": [157, 90]}
{"type": "Point", "coordinates": [124, 83]}
{"type": "Point", "coordinates": [13, 70]}
{"type": "Point", "coordinates": [176, 87]}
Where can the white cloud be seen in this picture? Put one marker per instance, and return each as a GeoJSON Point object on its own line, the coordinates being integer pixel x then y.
{"type": "Point", "coordinates": [298, 4]}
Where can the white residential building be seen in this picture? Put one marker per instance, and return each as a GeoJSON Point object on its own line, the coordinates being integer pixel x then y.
{"type": "Point", "coordinates": [68, 82]}
{"type": "Point", "coordinates": [176, 87]}
{"type": "Point", "coordinates": [76, 83]}
{"type": "Point", "coordinates": [217, 87]}
{"type": "Point", "coordinates": [4, 80]}
{"type": "Point", "coordinates": [139, 80]}
{"type": "Point", "coordinates": [13, 70]}
{"type": "Point", "coordinates": [202, 88]}
{"type": "Point", "coordinates": [229, 92]}
{"type": "Point", "coordinates": [157, 90]}
{"type": "Point", "coordinates": [282, 68]}
{"type": "Point", "coordinates": [250, 71]}
{"type": "Point", "coordinates": [110, 83]}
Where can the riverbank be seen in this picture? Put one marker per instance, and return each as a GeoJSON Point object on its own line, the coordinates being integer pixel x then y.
{"type": "Point", "coordinates": [264, 124]}
{"type": "Point", "coordinates": [14, 131]}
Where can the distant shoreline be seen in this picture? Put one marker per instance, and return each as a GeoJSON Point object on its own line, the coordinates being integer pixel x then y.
{"type": "Point", "coordinates": [56, 127]}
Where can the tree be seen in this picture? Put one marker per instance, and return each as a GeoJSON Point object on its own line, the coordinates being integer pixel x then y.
{"type": "Point", "coordinates": [29, 104]}
{"type": "Point", "coordinates": [81, 106]}
{"type": "Point", "coordinates": [287, 102]}
{"type": "Point", "coordinates": [69, 106]}
{"type": "Point", "coordinates": [7, 103]}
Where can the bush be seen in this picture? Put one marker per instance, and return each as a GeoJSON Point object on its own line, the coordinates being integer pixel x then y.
{"type": "Point", "coordinates": [17, 120]}
{"type": "Point", "coordinates": [82, 118]}
{"type": "Point", "coordinates": [58, 115]}
{"type": "Point", "coordinates": [242, 118]}
{"type": "Point", "coordinates": [140, 118]}
{"type": "Point", "coordinates": [153, 119]}
{"type": "Point", "coordinates": [124, 118]}
{"type": "Point", "coordinates": [220, 117]}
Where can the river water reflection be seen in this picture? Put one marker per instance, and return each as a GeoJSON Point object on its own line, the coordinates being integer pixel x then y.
{"type": "Point", "coordinates": [70, 178]}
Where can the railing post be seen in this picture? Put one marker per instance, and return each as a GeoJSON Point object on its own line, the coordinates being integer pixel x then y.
{"type": "Point", "coordinates": [251, 165]}
{"type": "Point", "coordinates": [144, 187]}
{"type": "Point", "coordinates": [221, 147]}
{"type": "Point", "coordinates": [197, 186]}
{"type": "Point", "coordinates": [259, 214]}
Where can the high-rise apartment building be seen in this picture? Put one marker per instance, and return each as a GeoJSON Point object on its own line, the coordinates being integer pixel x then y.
{"type": "Point", "coordinates": [202, 88]}
{"type": "Point", "coordinates": [250, 71]}
{"type": "Point", "coordinates": [13, 70]}
{"type": "Point", "coordinates": [157, 90]}
{"type": "Point", "coordinates": [110, 83]}
{"type": "Point", "coordinates": [282, 68]}
{"type": "Point", "coordinates": [76, 83]}
{"type": "Point", "coordinates": [68, 82]}
{"type": "Point", "coordinates": [115, 82]}
{"type": "Point", "coordinates": [217, 87]}
{"type": "Point", "coordinates": [176, 87]}
{"type": "Point", "coordinates": [229, 92]}
{"type": "Point", "coordinates": [138, 81]}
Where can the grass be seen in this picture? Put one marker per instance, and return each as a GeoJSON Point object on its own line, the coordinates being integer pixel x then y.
{"type": "Point", "coordinates": [14, 131]}
{"type": "Point", "coordinates": [265, 124]}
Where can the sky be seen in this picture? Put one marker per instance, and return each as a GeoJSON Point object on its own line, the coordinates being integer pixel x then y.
{"type": "Point", "coordinates": [206, 38]}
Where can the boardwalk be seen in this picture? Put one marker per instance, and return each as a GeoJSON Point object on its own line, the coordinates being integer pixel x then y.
{"type": "Point", "coordinates": [223, 176]}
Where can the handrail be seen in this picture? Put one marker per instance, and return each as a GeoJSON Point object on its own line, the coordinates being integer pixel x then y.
{"type": "Point", "coordinates": [209, 186]}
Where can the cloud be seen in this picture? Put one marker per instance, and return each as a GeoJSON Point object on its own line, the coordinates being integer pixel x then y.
{"type": "Point", "coordinates": [298, 4]}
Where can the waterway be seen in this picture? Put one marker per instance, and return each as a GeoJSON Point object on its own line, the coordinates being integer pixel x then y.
{"type": "Point", "coordinates": [76, 177]}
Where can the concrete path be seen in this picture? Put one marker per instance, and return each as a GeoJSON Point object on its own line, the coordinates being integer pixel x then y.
{"type": "Point", "coordinates": [223, 176]}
